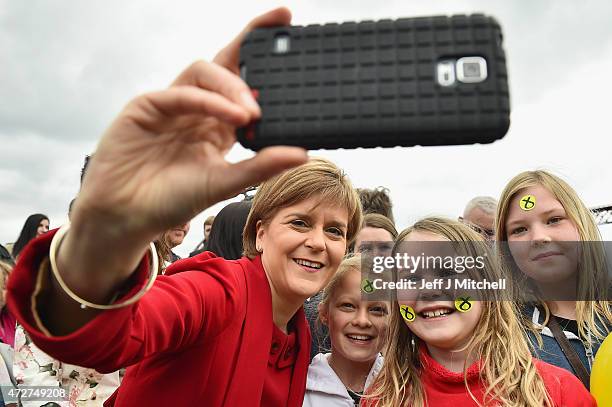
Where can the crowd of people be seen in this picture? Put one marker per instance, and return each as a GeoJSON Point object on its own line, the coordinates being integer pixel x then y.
{"type": "Point", "coordinates": [269, 309]}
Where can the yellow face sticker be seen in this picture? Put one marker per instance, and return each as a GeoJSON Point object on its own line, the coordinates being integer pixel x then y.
{"type": "Point", "coordinates": [527, 202]}
{"type": "Point", "coordinates": [464, 304]}
{"type": "Point", "coordinates": [366, 286]}
{"type": "Point", "coordinates": [407, 313]}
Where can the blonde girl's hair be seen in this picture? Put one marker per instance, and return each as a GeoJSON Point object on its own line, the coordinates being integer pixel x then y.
{"type": "Point", "coordinates": [318, 178]}
{"type": "Point", "coordinates": [592, 316]}
{"type": "Point", "coordinates": [499, 340]}
{"type": "Point", "coordinates": [350, 263]}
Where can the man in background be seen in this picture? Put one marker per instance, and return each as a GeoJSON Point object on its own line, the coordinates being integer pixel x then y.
{"type": "Point", "coordinates": [479, 213]}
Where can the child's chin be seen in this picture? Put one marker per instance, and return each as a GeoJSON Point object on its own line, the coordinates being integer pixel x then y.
{"type": "Point", "coordinates": [360, 356]}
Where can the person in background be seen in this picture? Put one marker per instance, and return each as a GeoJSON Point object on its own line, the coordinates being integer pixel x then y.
{"type": "Point", "coordinates": [7, 320]}
{"type": "Point", "coordinates": [168, 241]}
{"type": "Point", "coordinates": [225, 238]}
{"type": "Point", "coordinates": [479, 214]}
{"type": "Point", "coordinates": [7, 332]}
{"type": "Point", "coordinates": [203, 245]}
{"type": "Point", "coordinates": [357, 330]}
{"type": "Point", "coordinates": [376, 201]}
{"type": "Point", "coordinates": [33, 367]}
{"type": "Point", "coordinates": [34, 226]}
{"type": "Point", "coordinates": [5, 256]}
{"type": "Point", "coordinates": [376, 236]}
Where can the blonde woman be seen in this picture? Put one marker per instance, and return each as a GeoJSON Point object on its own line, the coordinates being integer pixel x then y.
{"type": "Point", "coordinates": [553, 239]}
{"type": "Point", "coordinates": [442, 357]}
{"type": "Point", "coordinates": [357, 331]}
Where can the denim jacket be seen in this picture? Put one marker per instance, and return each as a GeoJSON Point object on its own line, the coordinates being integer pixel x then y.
{"type": "Point", "coordinates": [551, 352]}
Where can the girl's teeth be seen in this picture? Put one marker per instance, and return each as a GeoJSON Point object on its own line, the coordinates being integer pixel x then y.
{"type": "Point", "coordinates": [359, 337]}
{"type": "Point", "coordinates": [433, 314]}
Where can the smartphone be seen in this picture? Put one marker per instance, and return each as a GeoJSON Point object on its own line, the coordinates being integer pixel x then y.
{"type": "Point", "coordinates": [413, 81]}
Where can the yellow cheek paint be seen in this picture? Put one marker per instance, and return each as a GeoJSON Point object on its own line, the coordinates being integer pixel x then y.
{"type": "Point", "coordinates": [407, 313]}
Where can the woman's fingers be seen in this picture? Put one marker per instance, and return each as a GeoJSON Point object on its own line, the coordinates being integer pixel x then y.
{"type": "Point", "coordinates": [155, 111]}
{"type": "Point", "coordinates": [229, 56]}
{"type": "Point", "coordinates": [264, 165]}
{"type": "Point", "coordinates": [213, 77]}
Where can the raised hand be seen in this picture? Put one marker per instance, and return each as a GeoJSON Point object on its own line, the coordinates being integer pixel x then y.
{"type": "Point", "coordinates": [161, 162]}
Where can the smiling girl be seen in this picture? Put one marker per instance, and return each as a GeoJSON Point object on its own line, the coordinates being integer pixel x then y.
{"type": "Point", "coordinates": [357, 330]}
{"type": "Point", "coordinates": [553, 239]}
{"type": "Point", "coordinates": [442, 357]}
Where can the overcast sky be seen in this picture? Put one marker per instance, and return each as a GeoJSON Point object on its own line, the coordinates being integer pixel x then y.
{"type": "Point", "coordinates": [68, 67]}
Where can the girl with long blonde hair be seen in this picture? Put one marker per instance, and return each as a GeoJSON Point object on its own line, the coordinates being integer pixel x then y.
{"type": "Point", "coordinates": [439, 356]}
{"type": "Point", "coordinates": [553, 240]}
{"type": "Point", "coordinates": [357, 330]}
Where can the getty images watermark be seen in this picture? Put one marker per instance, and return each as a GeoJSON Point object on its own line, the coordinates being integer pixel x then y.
{"type": "Point", "coordinates": [444, 266]}
{"type": "Point", "coordinates": [517, 271]}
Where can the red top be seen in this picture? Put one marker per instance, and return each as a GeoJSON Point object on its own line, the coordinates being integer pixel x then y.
{"type": "Point", "coordinates": [201, 336]}
{"type": "Point", "coordinates": [7, 327]}
{"type": "Point", "coordinates": [444, 388]}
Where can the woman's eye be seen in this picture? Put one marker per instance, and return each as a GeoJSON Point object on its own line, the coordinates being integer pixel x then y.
{"type": "Point", "coordinates": [298, 223]}
{"type": "Point", "coordinates": [555, 219]}
{"type": "Point", "coordinates": [347, 305]}
{"type": "Point", "coordinates": [336, 232]}
{"type": "Point", "coordinates": [519, 230]}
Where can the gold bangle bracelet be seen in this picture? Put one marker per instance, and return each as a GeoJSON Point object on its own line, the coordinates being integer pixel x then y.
{"type": "Point", "coordinates": [55, 244]}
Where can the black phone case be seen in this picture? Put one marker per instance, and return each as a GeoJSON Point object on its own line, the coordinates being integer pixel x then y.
{"type": "Point", "coordinates": [374, 84]}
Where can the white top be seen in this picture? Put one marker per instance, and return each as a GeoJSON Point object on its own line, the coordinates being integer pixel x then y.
{"type": "Point", "coordinates": [325, 389]}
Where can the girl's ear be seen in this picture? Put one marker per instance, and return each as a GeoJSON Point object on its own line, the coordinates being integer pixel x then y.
{"type": "Point", "coordinates": [323, 314]}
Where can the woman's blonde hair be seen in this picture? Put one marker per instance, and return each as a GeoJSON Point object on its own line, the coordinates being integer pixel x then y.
{"type": "Point", "coordinates": [318, 178]}
{"type": "Point", "coordinates": [592, 316]}
{"type": "Point", "coordinates": [498, 342]}
{"type": "Point", "coordinates": [352, 263]}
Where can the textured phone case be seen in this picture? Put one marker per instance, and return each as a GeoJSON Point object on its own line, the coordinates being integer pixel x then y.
{"type": "Point", "coordinates": [372, 84]}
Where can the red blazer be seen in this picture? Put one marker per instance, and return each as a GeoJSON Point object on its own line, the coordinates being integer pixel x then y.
{"type": "Point", "coordinates": [201, 336]}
